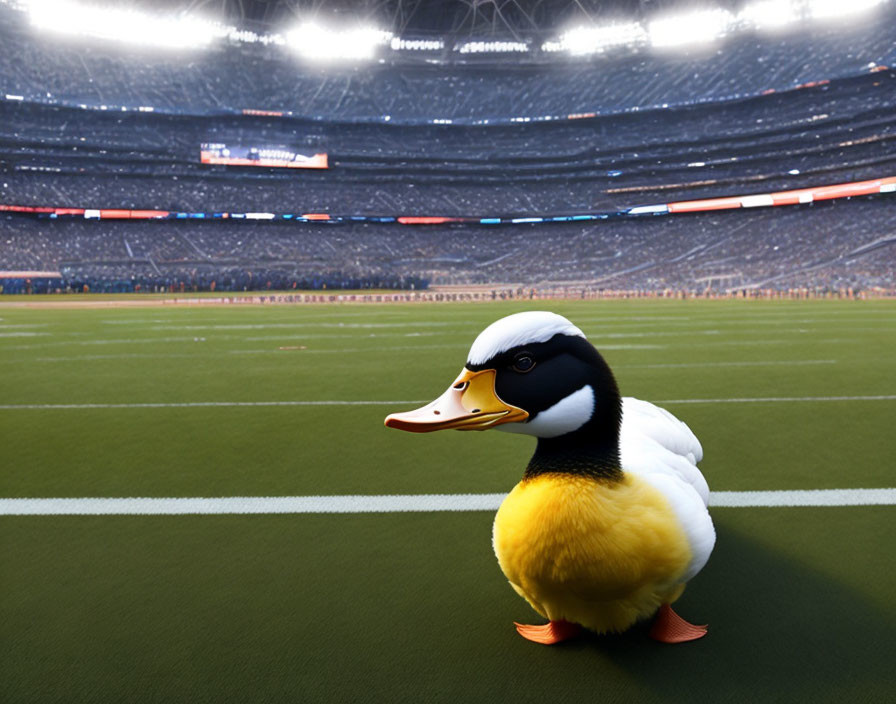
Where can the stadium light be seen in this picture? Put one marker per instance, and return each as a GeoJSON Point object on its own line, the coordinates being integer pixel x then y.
{"type": "Point", "coordinates": [399, 44]}
{"type": "Point", "coordinates": [769, 14]}
{"type": "Point", "coordinates": [697, 27]}
{"type": "Point", "coordinates": [249, 37]}
{"type": "Point", "coordinates": [317, 43]}
{"type": "Point", "coordinates": [126, 26]}
{"type": "Point", "coordinates": [492, 47]}
{"type": "Point", "coordinates": [581, 41]}
{"type": "Point", "coordinates": [830, 9]}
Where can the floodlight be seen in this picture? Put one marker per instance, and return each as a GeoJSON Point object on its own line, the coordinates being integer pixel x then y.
{"type": "Point", "coordinates": [318, 43]}
{"type": "Point", "coordinates": [769, 14]}
{"type": "Point", "coordinates": [126, 26]}
{"type": "Point", "coordinates": [249, 37]}
{"type": "Point", "coordinates": [829, 9]}
{"type": "Point", "coordinates": [698, 27]}
{"type": "Point", "coordinates": [593, 40]}
{"type": "Point", "coordinates": [492, 47]}
{"type": "Point", "coordinates": [399, 44]}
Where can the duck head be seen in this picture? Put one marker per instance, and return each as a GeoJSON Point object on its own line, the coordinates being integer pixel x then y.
{"type": "Point", "coordinates": [533, 373]}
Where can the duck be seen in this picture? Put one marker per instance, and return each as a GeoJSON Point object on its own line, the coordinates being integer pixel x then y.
{"type": "Point", "coordinates": [609, 521]}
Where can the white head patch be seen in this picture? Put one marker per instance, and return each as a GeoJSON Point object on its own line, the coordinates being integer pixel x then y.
{"type": "Point", "coordinates": [565, 416]}
{"type": "Point", "coordinates": [519, 329]}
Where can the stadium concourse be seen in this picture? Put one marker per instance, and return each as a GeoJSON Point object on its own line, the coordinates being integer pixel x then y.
{"type": "Point", "coordinates": [499, 144]}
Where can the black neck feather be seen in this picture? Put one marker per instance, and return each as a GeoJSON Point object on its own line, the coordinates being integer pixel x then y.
{"type": "Point", "coordinates": [587, 459]}
{"type": "Point", "coordinates": [591, 451]}
{"type": "Point", "coordinates": [565, 365]}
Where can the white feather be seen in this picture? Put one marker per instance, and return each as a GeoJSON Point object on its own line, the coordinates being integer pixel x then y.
{"type": "Point", "coordinates": [519, 329]}
{"type": "Point", "coordinates": [565, 416]}
{"type": "Point", "coordinates": [656, 446]}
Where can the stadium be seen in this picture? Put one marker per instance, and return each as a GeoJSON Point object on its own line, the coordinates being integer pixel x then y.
{"type": "Point", "coordinates": [235, 236]}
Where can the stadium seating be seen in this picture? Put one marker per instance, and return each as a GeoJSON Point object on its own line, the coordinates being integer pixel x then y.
{"type": "Point", "coordinates": [238, 76]}
{"type": "Point", "coordinates": [58, 150]}
{"type": "Point", "coordinates": [771, 248]}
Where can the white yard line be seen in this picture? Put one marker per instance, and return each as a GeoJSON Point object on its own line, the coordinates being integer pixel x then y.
{"type": "Point", "coordinates": [149, 341]}
{"type": "Point", "coordinates": [776, 399]}
{"type": "Point", "coordinates": [227, 404]}
{"type": "Point", "coordinates": [343, 350]}
{"type": "Point", "coordinates": [207, 317]}
{"type": "Point", "coordinates": [759, 343]}
{"type": "Point", "coordinates": [596, 337]}
{"type": "Point", "coordinates": [85, 343]}
{"type": "Point", "coordinates": [427, 503]}
{"type": "Point", "coordinates": [354, 337]}
{"type": "Point", "coordinates": [810, 497]}
{"type": "Point", "coordinates": [326, 324]}
{"type": "Point", "coordinates": [225, 353]}
{"type": "Point", "coordinates": [752, 363]}
{"type": "Point", "coordinates": [195, 404]}
{"type": "Point", "coordinates": [404, 348]}
{"type": "Point", "coordinates": [101, 357]}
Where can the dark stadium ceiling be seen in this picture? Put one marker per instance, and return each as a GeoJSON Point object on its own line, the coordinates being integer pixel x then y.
{"type": "Point", "coordinates": [482, 18]}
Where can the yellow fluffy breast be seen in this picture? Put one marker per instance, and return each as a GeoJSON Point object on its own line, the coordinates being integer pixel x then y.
{"type": "Point", "coordinates": [600, 553]}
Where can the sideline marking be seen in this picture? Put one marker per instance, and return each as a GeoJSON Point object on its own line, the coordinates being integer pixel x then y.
{"type": "Point", "coordinates": [319, 324]}
{"type": "Point", "coordinates": [227, 404]}
{"type": "Point", "coordinates": [394, 348]}
{"type": "Point", "coordinates": [777, 399]}
{"type": "Point", "coordinates": [764, 363]}
{"type": "Point", "coordinates": [197, 404]}
{"type": "Point", "coordinates": [809, 497]}
{"type": "Point", "coordinates": [427, 503]}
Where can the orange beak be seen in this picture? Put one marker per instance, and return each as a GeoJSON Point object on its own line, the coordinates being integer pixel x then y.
{"type": "Point", "coordinates": [470, 403]}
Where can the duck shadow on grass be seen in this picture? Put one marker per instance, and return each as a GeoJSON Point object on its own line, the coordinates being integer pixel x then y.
{"type": "Point", "coordinates": [778, 631]}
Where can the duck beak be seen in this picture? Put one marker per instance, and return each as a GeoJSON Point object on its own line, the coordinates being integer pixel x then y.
{"type": "Point", "coordinates": [470, 403]}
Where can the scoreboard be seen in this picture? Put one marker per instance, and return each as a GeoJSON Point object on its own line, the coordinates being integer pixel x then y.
{"type": "Point", "coordinates": [266, 156]}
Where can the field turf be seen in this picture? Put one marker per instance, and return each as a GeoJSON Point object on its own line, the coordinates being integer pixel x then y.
{"type": "Point", "coordinates": [412, 607]}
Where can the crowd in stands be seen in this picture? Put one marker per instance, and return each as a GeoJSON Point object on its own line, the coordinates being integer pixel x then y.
{"type": "Point", "coordinates": [833, 133]}
{"type": "Point", "coordinates": [835, 244]}
{"type": "Point", "coordinates": [259, 77]}
{"type": "Point", "coordinates": [65, 156]}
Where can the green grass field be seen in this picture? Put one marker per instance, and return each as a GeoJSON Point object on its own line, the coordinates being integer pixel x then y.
{"type": "Point", "coordinates": [412, 607]}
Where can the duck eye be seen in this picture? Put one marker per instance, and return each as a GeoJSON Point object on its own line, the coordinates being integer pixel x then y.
{"type": "Point", "coordinates": [523, 363]}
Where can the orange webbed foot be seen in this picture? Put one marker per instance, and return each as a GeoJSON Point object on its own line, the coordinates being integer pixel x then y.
{"type": "Point", "coordinates": [550, 633]}
{"type": "Point", "coordinates": [669, 627]}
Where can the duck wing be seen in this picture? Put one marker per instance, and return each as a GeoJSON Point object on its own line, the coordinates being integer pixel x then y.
{"type": "Point", "coordinates": [661, 449]}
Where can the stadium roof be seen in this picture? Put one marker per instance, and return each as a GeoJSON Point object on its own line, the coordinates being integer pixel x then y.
{"type": "Point", "coordinates": [500, 18]}
{"type": "Point", "coordinates": [439, 31]}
